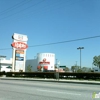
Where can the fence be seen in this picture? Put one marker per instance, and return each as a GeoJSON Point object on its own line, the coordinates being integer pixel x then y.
{"type": "Point", "coordinates": [61, 75]}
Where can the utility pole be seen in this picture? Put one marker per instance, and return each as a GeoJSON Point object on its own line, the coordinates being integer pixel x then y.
{"type": "Point", "coordinates": [56, 62]}
{"type": "Point", "coordinates": [80, 48]}
{"type": "Point", "coordinates": [0, 64]}
{"type": "Point", "coordinates": [76, 63]}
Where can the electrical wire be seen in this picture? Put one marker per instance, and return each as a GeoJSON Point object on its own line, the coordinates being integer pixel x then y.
{"type": "Point", "coordinates": [80, 39]}
{"type": "Point", "coordinates": [21, 10]}
{"type": "Point", "coordinates": [14, 7]}
{"type": "Point", "coordinates": [66, 41]}
{"type": "Point", "coordinates": [28, 15]}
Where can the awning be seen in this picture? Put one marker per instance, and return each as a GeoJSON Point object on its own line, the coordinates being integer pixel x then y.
{"type": "Point", "coordinates": [45, 67]}
{"type": "Point", "coordinates": [9, 67]}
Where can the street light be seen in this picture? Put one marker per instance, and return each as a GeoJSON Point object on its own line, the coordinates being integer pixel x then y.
{"type": "Point", "coordinates": [80, 48]}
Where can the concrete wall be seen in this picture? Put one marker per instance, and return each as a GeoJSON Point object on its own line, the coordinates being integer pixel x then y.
{"type": "Point", "coordinates": [32, 63]}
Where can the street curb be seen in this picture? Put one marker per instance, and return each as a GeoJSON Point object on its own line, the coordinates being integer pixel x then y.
{"type": "Point", "coordinates": [54, 80]}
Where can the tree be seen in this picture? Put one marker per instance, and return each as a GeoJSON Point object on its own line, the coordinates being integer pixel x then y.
{"type": "Point", "coordinates": [86, 69]}
{"type": "Point", "coordinates": [29, 68]}
{"type": "Point", "coordinates": [74, 68]}
{"type": "Point", "coordinates": [79, 70]}
{"type": "Point", "coordinates": [66, 69]}
{"type": "Point", "coordinates": [89, 70]}
{"type": "Point", "coordinates": [55, 67]}
{"type": "Point", "coordinates": [96, 61]}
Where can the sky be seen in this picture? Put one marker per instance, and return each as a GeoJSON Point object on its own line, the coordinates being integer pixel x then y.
{"type": "Point", "coordinates": [52, 21]}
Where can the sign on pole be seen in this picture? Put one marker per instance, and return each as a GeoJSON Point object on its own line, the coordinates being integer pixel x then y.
{"type": "Point", "coordinates": [19, 52]}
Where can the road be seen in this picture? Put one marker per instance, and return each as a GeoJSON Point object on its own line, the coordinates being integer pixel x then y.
{"type": "Point", "coordinates": [37, 90]}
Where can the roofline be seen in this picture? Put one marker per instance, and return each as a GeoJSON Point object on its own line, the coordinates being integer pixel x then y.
{"type": "Point", "coordinates": [3, 56]}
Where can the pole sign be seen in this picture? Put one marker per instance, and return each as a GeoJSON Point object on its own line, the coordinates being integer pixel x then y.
{"type": "Point", "coordinates": [19, 45]}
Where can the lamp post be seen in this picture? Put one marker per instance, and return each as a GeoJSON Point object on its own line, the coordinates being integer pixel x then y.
{"type": "Point", "coordinates": [80, 48]}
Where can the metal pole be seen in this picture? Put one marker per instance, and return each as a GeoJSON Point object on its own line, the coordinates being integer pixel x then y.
{"type": "Point", "coordinates": [80, 54]}
{"type": "Point", "coordinates": [58, 72]}
{"type": "Point", "coordinates": [58, 69]}
{"type": "Point", "coordinates": [80, 58]}
{"type": "Point", "coordinates": [0, 64]}
{"type": "Point", "coordinates": [76, 63]}
{"type": "Point", "coordinates": [56, 62]}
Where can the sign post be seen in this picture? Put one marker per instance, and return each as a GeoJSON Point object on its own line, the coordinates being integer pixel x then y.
{"type": "Point", "coordinates": [58, 63]}
{"type": "Point", "coordinates": [19, 52]}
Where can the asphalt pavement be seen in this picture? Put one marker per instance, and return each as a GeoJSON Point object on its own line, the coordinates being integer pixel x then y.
{"type": "Point", "coordinates": [42, 90]}
{"type": "Point", "coordinates": [53, 80]}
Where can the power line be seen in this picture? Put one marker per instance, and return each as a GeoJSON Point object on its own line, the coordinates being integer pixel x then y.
{"type": "Point", "coordinates": [13, 7]}
{"type": "Point", "coordinates": [66, 41]}
{"type": "Point", "coordinates": [21, 10]}
{"type": "Point", "coordinates": [45, 11]}
{"type": "Point", "coordinates": [74, 40]}
{"type": "Point", "coordinates": [28, 15]}
{"type": "Point", "coordinates": [31, 12]}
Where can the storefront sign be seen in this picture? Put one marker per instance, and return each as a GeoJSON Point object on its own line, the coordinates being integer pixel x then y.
{"type": "Point", "coordinates": [19, 45]}
{"type": "Point", "coordinates": [44, 62]}
{"type": "Point", "coordinates": [19, 37]}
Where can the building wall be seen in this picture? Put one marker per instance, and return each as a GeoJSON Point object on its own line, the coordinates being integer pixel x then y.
{"type": "Point", "coordinates": [49, 62]}
{"type": "Point", "coordinates": [4, 63]}
{"type": "Point", "coordinates": [32, 63]}
{"type": "Point", "coordinates": [4, 68]}
{"type": "Point", "coordinates": [96, 69]}
{"type": "Point", "coordinates": [46, 59]}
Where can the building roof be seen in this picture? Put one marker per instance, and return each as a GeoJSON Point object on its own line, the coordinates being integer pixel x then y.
{"type": "Point", "coordinates": [1, 56]}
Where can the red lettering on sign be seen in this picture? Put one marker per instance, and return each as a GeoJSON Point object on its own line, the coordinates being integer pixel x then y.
{"type": "Point", "coordinates": [44, 62]}
{"type": "Point", "coordinates": [19, 45]}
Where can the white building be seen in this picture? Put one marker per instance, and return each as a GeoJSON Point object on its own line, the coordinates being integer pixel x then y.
{"type": "Point", "coordinates": [43, 62]}
{"type": "Point", "coordinates": [96, 69]}
{"type": "Point", "coordinates": [5, 65]}
{"type": "Point", "coordinates": [31, 65]}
